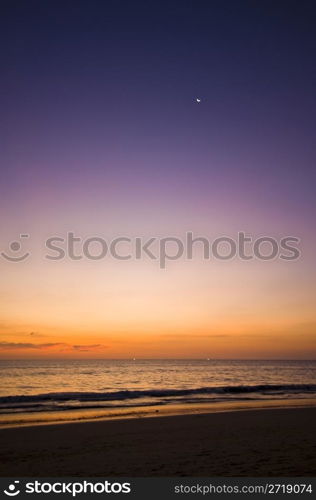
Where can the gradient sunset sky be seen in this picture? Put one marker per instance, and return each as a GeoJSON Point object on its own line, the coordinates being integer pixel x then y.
{"type": "Point", "coordinates": [101, 135]}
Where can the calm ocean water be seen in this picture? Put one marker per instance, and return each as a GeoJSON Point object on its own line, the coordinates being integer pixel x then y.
{"type": "Point", "coordinates": [46, 385]}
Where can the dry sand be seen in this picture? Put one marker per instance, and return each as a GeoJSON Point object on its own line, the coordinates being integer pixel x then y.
{"type": "Point", "coordinates": [266, 442]}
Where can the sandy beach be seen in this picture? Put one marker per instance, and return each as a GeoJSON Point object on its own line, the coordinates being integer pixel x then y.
{"type": "Point", "coordinates": [264, 442]}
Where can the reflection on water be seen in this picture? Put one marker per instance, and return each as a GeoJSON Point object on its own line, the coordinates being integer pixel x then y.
{"type": "Point", "coordinates": [46, 386]}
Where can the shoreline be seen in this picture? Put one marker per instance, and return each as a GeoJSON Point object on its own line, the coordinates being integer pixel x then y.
{"type": "Point", "coordinates": [35, 419]}
{"type": "Point", "coordinates": [275, 442]}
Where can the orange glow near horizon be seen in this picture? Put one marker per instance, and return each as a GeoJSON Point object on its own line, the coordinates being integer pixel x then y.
{"type": "Point", "coordinates": [192, 310]}
{"type": "Point", "coordinates": [133, 309]}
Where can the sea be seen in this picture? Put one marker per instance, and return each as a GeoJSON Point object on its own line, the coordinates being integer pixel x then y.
{"type": "Point", "coordinates": [35, 386]}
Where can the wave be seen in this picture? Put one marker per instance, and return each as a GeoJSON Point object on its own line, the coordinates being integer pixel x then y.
{"type": "Point", "coordinates": [81, 397]}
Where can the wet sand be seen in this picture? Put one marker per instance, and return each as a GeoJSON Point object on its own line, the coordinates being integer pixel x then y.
{"type": "Point", "coordinates": [264, 442]}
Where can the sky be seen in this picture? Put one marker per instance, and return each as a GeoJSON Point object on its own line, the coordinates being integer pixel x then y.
{"type": "Point", "coordinates": [101, 135]}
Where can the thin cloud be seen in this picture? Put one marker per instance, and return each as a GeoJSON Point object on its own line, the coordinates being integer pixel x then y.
{"type": "Point", "coordinates": [88, 347]}
{"type": "Point", "coordinates": [193, 335]}
{"type": "Point", "coordinates": [29, 345]}
{"type": "Point", "coordinates": [65, 347]}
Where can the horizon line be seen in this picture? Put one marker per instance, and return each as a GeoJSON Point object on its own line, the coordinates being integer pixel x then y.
{"type": "Point", "coordinates": [155, 359]}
